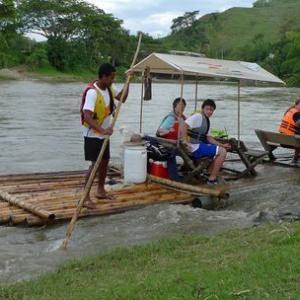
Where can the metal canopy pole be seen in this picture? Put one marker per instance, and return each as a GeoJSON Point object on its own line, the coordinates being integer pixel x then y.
{"type": "Point", "coordinates": [181, 97]}
{"type": "Point", "coordinates": [142, 102]}
{"type": "Point", "coordinates": [196, 94]}
{"type": "Point", "coordinates": [239, 112]}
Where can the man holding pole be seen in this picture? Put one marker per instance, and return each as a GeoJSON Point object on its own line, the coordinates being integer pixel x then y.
{"type": "Point", "coordinates": [97, 107]}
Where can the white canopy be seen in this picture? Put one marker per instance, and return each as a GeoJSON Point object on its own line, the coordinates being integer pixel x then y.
{"type": "Point", "coordinates": [204, 67]}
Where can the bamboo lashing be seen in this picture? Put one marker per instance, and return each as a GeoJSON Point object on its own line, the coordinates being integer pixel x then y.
{"type": "Point", "coordinates": [99, 159]}
{"type": "Point", "coordinates": [218, 191]}
{"type": "Point", "coordinates": [27, 206]}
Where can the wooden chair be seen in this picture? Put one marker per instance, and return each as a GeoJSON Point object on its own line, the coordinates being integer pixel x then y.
{"type": "Point", "coordinates": [249, 157]}
{"type": "Point", "coordinates": [271, 140]}
{"type": "Point", "coordinates": [193, 168]}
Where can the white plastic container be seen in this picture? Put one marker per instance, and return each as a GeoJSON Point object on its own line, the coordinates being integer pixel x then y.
{"type": "Point", "coordinates": [135, 164]}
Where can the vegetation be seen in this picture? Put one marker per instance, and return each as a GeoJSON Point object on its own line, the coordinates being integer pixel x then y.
{"type": "Point", "coordinates": [257, 263]}
{"type": "Point", "coordinates": [266, 34]}
{"type": "Point", "coordinates": [79, 36]}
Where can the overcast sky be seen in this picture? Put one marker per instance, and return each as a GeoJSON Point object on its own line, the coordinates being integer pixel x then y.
{"type": "Point", "coordinates": [155, 16]}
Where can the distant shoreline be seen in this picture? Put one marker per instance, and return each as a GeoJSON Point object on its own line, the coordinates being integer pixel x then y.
{"type": "Point", "coordinates": [51, 75]}
{"type": "Point", "coordinates": [21, 73]}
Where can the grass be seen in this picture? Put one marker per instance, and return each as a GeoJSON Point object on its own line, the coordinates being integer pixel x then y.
{"type": "Point", "coordinates": [50, 73]}
{"type": "Point", "coordinates": [3, 78]}
{"type": "Point", "coordinates": [258, 263]}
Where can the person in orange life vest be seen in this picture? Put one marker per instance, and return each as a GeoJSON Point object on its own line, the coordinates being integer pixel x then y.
{"type": "Point", "coordinates": [201, 144]}
{"type": "Point", "coordinates": [168, 129]}
{"type": "Point", "coordinates": [290, 124]}
{"type": "Point", "coordinates": [96, 113]}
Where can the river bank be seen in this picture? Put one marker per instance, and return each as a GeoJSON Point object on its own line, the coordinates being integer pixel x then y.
{"type": "Point", "coordinates": [257, 263]}
{"type": "Point", "coordinates": [53, 75]}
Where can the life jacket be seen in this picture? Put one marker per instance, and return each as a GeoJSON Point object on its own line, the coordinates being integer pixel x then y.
{"type": "Point", "coordinates": [288, 125]}
{"type": "Point", "coordinates": [173, 134]}
{"type": "Point", "coordinates": [199, 134]}
{"type": "Point", "coordinates": [101, 110]}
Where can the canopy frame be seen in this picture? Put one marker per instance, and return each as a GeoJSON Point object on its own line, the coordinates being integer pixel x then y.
{"type": "Point", "coordinates": [159, 63]}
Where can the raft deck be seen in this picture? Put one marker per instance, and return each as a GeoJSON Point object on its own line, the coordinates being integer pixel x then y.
{"type": "Point", "coordinates": [58, 193]}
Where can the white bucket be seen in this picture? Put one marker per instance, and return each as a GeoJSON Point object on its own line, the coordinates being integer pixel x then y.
{"type": "Point", "coordinates": [135, 164]}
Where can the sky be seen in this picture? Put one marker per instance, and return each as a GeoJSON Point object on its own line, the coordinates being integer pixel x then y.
{"type": "Point", "coordinates": [155, 16]}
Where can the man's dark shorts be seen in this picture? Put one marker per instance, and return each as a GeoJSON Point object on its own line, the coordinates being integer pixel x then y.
{"type": "Point", "coordinates": [92, 148]}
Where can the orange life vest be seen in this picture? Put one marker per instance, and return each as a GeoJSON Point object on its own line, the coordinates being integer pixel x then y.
{"type": "Point", "coordinates": [173, 134]}
{"type": "Point", "coordinates": [288, 125]}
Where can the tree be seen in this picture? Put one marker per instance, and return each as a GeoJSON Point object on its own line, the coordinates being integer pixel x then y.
{"type": "Point", "coordinates": [291, 65]}
{"type": "Point", "coordinates": [184, 21]}
{"type": "Point", "coordinates": [284, 60]}
{"type": "Point", "coordinates": [79, 34]}
{"type": "Point", "coordinates": [262, 3]}
{"type": "Point", "coordinates": [10, 39]}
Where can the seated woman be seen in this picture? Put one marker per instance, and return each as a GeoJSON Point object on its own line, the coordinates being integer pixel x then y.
{"type": "Point", "coordinates": [168, 129]}
{"type": "Point", "coordinates": [169, 126]}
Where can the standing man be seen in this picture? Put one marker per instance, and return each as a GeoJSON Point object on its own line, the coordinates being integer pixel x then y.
{"type": "Point", "coordinates": [290, 124]}
{"type": "Point", "coordinates": [97, 107]}
{"type": "Point", "coordinates": [201, 144]}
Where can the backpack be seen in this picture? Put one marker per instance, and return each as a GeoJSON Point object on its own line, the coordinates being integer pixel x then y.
{"type": "Point", "coordinates": [156, 151]}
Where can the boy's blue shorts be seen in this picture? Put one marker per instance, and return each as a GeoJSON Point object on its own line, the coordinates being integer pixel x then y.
{"type": "Point", "coordinates": [203, 150]}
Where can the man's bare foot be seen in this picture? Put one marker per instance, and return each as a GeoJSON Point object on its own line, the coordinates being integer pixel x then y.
{"type": "Point", "coordinates": [89, 204]}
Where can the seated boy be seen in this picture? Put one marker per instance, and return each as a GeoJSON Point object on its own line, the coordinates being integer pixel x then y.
{"type": "Point", "coordinates": [201, 144]}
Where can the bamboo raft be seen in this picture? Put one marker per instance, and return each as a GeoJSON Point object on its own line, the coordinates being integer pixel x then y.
{"type": "Point", "coordinates": [45, 198]}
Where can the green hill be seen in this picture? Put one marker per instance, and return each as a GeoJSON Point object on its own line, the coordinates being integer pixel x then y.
{"type": "Point", "coordinates": [235, 33]}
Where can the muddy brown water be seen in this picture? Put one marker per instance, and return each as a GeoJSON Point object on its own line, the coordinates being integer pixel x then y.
{"type": "Point", "coordinates": [40, 132]}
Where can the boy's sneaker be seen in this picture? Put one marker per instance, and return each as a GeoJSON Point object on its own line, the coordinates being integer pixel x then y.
{"type": "Point", "coordinates": [205, 174]}
{"type": "Point", "coordinates": [212, 182]}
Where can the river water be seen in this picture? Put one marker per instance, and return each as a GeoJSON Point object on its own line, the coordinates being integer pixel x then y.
{"type": "Point", "coordinates": [40, 132]}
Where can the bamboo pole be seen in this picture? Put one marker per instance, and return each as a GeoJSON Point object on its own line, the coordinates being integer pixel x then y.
{"type": "Point", "coordinates": [196, 95]}
{"type": "Point", "coordinates": [63, 212]}
{"type": "Point", "coordinates": [180, 119]}
{"type": "Point", "coordinates": [239, 112]}
{"type": "Point", "coordinates": [27, 206]}
{"type": "Point", "coordinates": [214, 191]}
{"type": "Point", "coordinates": [142, 102]}
{"type": "Point", "coordinates": [99, 159]}
{"type": "Point", "coordinates": [20, 179]}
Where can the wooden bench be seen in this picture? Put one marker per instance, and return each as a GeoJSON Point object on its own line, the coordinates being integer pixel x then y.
{"type": "Point", "coordinates": [194, 168]}
{"type": "Point", "coordinates": [249, 157]}
{"type": "Point", "coordinates": [271, 140]}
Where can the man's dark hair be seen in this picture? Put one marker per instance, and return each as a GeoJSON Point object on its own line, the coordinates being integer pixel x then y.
{"type": "Point", "coordinates": [297, 100]}
{"type": "Point", "coordinates": [209, 102]}
{"type": "Point", "coordinates": [106, 69]}
{"type": "Point", "coordinates": [176, 101]}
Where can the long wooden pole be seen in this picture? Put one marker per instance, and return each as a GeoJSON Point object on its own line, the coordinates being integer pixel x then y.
{"type": "Point", "coordinates": [180, 120]}
{"type": "Point", "coordinates": [27, 206]}
{"type": "Point", "coordinates": [142, 102]}
{"type": "Point", "coordinates": [196, 95]}
{"type": "Point", "coordinates": [218, 191]}
{"type": "Point", "coordinates": [99, 159]}
{"type": "Point", "coordinates": [239, 112]}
